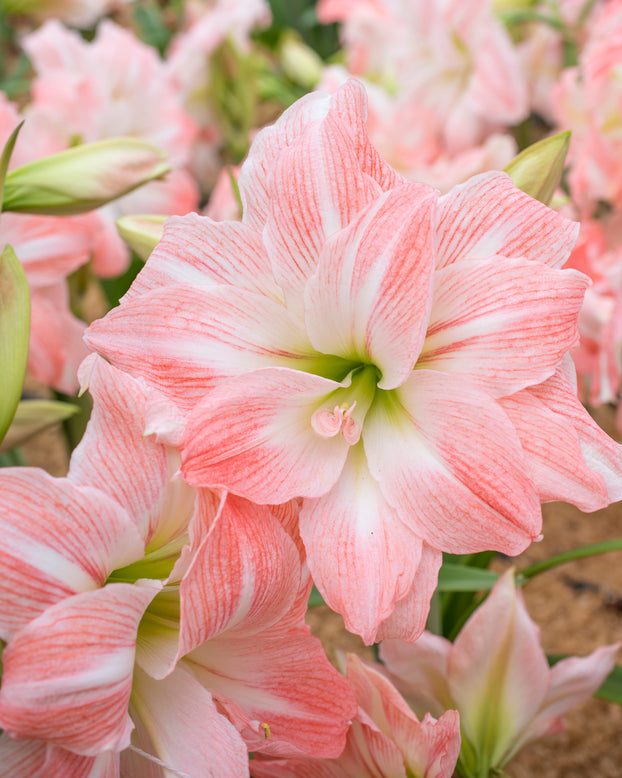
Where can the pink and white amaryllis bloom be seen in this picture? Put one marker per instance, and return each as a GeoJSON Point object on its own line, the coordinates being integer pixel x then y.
{"type": "Point", "coordinates": [151, 625]}
{"type": "Point", "coordinates": [367, 345]}
{"type": "Point", "coordinates": [497, 677]}
{"type": "Point", "coordinates": [386, 740]}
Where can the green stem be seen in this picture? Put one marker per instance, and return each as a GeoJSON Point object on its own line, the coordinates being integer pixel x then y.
{"type": "Point", "coordinates": [569, 556]}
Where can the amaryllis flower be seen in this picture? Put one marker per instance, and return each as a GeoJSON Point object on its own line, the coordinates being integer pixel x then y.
{"type": "Point", "coordinates": [358, 341]}
{"type": "Point", "coordinates": [386, 740]}
{"type": "Point", "coordinates": [146, 620]}
{"type": "Point", "coordinates": [497, 676]}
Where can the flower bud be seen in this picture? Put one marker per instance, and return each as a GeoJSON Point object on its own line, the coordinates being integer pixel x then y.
{"type": "Point", "coordinates": [538, 169]}
{"type": "Point", "coordinates": [141, 233]}
{"type": "Point", "coordinates": [14, 334]}
{"type": "Point", "coordinates": [82, 178]}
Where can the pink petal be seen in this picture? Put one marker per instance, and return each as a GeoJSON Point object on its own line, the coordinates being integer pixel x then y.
{"type": "Point", "coordinates": [21, 757]}
{"type": "Point", "coordinates": [68, 673]}
{"type": "Point", "coordinates": [254, 437]}
{"type": "Point", "coordinates": [306, 209]}
{"type": "Point", "coordinates": [489, 216]}
{"type": "Point", "coordinates": [503, 324]}
{"type": "Point", "coordinates": [410, 614]}
{"type": "Point", "coordinates": [559, 472]}
{"type": "Point", "coordinates": [116, 456]}
{"type": "Point", "coordinates": [183, 339]}
{"type": "Point", "coordinates": [57, 540]}
{"type": "Point", "coordinates": [361, 556]}
{"type": "Point", "coordinates": [601, 454]}
{"type": "Point", "coordinates": [244, 577]}
{"type": "Point", "coordinates": [188, 732]}
{"type": "Point", "coordinates": [280, 678]}
{"type": "Point", "coordinates": [447, 457]}
{"type": "Point", "coordinates": [419, 671]}
{"type": "Point", "coordinates": [372, 304]}
{"type": "Point", "coordinates": [195, 250]}
{"type": "Point", "coordinates": [573, 681]}
{"type": "Point", "coordinates": [498, 673]}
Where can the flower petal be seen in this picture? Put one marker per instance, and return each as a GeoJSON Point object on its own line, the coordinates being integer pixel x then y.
{"type": "Point", "coordinates": [196, 250]}
{"type": "Point", "coordinates": [282, 678]}
{"type": "Point", "coordinates": [254, 437]}
{"type": "Point", "coordinates": [372, 303]}
{"type": "Point", "coordinates": [361, 556]}
{"type": "Point", "coordinates": [410, 614]}
{"type": "Point", "coordinates": [184, 725]}
{"type": "Point", "coordinates": [57, 539]}
{"type": "Point", "coordinates": [448, 459]}
{"type": "Point", "coordinates": [68, 673]}
{"type": "Point", "coordinates": [488, 215]}
{"type": "Point", "coordinates": [503, 324]}
{"type": "Point", "coordinates": [183, 339]}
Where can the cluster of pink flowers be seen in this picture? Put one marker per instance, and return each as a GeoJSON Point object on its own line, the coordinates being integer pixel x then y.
{"type": "Point", "coordinates": [337, 376]}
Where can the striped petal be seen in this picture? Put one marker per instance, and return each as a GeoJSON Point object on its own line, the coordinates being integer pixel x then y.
{"type": "Point", "coordinates": [361, 556]}
{"type": "Point", "coordinates": [58, 539]}
{"type": "Point", "coordinates": [502, 324]}
{"type": "Point", "coordinates": [488, 216]}
{"type": "Point", "coordinates": [372, 303]}
{"type": "Point", "coordinates": [448, 459]}
{"type": "Point", "coordinates": [68, 673]}
{"type": "Point", "coordinates": [254, 437]}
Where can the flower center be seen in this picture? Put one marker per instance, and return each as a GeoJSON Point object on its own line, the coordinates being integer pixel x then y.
{"type": "Point", "coordinates": [344, 410]}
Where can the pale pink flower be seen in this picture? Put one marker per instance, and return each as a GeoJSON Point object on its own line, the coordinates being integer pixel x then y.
{"type": "Point", "coordinates": [496, 676]}
{"type": "Point", "coordinates": [587, 101]}
{"type": "Point", "coordinates": [408, 136]}
{"type": "Point", "coordinates": [394, 357]}
{"type": "Point", "coordinates": [452, 57]}
{"type": "Point", "coordinates": [208, 26]}
{"type": "Point", "coordinates": [386, 740]}
{"type": "Point", "coordinates": [112, 86]}
{"type": "Point", "coordinates": [140, 614]}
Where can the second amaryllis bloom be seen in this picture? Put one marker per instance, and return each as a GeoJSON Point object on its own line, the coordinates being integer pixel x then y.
{"type": "Point", "coordinates": [394, 357]}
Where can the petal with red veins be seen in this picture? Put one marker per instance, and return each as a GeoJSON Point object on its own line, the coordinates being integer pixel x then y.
{"type": "Point", "coordinates": [601, 454]}
{"type": "Point", "coordinates": [449, 460]}
{"type": "Point", "coordinates": [558, 471]}
{"type": "Point", "coordinates": [410, 614]}
{"type": "Point", "coordinates": [254, 437]}
{"type": "Point", "coordinates": [373, 304]}
{"type": "Point", "coordinates": [502, 323]}
{"type": "Point", "coordinates": [57, 540]}
{"type": "Point", "coordinates": [362, 557]}
{"type": "Point", "coordinates": [68, 673]}
{"type": "Point", "coordinates": [282, 678]}
{"type": "Point", "coordinates": [196, 250]}
{"type": "Point", "coordinates": [488, 215]}
{"type": "Point", "coordinates": [185, 727]}
{"type": "Point", "coordinates": [184, 339]}
{"type": "Point", "coordinates": [306, 209]}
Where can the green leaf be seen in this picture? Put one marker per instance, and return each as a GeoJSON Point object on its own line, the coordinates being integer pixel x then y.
{"type": "Point", "coordinates": [538, 169]}
{"type": "Point", "coordinates": [14, 335]}
{"type": "Point", "coordinates": [5, 157]}
{"type": "Point", "coordinates": [33, 416]}
{"type": "Point", "coordinates": [458, 578]}
{"type": "Point", "coordinates": [315, 599]}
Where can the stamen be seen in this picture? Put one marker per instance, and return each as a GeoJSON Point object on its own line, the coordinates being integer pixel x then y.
{"type": "Point", "coordinates": [328, 423]}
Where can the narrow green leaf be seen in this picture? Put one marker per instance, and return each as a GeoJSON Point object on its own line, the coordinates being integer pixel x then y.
{"type": "Point", "coordinates": [569, 556]}
{"type": "Point", "coordinates": [315, 599]}
{"type": "Point", "coordinates": [33, 416]}
{"type": "Point", "coordinates": [458, 578]}
{"type": "Point", "coordinates": [538, 169]}
{"type": "Point", "coordinates": [5, 157]}
{"type": "Point", "coordinates": [14, 335]}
